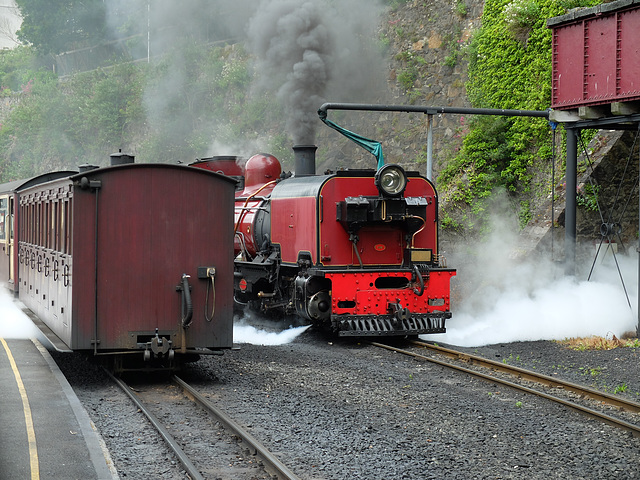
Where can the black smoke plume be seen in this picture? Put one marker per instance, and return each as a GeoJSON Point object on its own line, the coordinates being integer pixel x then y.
{"type": "Point", "coordinates": [294, 49]}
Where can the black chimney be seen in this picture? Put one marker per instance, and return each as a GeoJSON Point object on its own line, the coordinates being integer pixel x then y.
{"type": "Point", "coordinates": [305, 160]}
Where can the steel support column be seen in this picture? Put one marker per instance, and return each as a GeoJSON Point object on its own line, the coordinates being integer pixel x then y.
{"type": "Point", "coordinates": [429, 146]}
{"type": "Point", "coordinates": [570, 202]}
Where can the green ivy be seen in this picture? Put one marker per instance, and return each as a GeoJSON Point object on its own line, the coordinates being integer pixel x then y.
{"type": "Point", "coordinates": [509, 68]}
{"type": "Point", "coordinates": [411, 71]}
{"type": "Point", "coordinates": [587, 197]}
{"type": "Point", "coordinates": [524, 214]}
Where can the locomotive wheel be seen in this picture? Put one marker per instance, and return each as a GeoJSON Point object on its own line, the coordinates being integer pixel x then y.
{"type": "Point", "coordinates": [319, 306]}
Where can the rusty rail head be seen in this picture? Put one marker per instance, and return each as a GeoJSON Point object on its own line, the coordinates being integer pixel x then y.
{"type": "Point", "coordinates": [616, 422]}
{"type": "Point", "coordinates": [535, 377]}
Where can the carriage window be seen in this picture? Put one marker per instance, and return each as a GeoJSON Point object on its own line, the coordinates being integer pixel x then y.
{"type": "Point", "coordinates": [23, 215]}
{"type": "Point", "coordinates": [29, 226]}
{"type": "Point", "coordinates": [70, 228]}
{"type": "Point", "coordinates": [33, 223]}
{"type": "Point", "coordinates": [10, 232]}
{"type": "Point", "coordinates": [3, 219]}
{"type": "Point", "coordinates": [42, 224]}
{"type": "Point", "coordinates": [51, 233]}
{"type": "Point", "coordinates": [55, 225]}
{"type": "Point", "coordinates": [45, 224]}
{"type": "Point", "coordinates": [63, 225]}
{"type": "Point", "coordinates": [65, 231]}
{"type": "Point", "coordinates": [36, 224]}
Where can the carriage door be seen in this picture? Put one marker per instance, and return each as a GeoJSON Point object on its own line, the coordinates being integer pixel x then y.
{"type": "Point", "coordinates": [3, 223]}
{"type": "Point", "coordinates": [10, 238]}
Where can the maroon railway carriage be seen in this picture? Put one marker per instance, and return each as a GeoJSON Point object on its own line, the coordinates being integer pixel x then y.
{"type": "Point", "coordinates": [131, 258]}
{"type": "Point", "coordinates": [355, 251]}
{"type": "Point", "coordinates": [9, 222]}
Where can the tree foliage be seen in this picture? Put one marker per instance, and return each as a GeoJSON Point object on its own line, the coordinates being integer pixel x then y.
{"type": "Point", "coordinates": [156, 111]}
{"type": "Point", "coordinates": [56, 26]}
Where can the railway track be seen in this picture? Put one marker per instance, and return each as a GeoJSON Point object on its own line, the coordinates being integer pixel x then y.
{"type": "Point", "coordinates": [568, 394]}
{"type": "Point", "coordinates": [202, 433]}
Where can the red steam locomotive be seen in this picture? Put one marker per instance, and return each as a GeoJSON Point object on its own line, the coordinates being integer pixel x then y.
{"type": "Point", "coordinates": [355, 251]}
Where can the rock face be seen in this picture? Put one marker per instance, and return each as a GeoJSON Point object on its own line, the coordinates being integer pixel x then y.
{"type": "Point", "coordinates": [607, 194]}
{"type": "Point", "coordinates": [423, 42]}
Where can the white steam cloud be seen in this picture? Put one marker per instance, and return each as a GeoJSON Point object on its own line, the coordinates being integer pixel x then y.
{"type": "Point", "coordinates": [256, 336]}
{"type": "Point", "coordinates": [13, 322]}
{"type": "Point", "coordinates": [250, 328]}
{"type": "Point", "coordinates": [507, 300]}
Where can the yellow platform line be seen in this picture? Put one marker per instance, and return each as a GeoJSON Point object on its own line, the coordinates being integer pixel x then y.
{"type": "Point", "coordinates": [31, 435]}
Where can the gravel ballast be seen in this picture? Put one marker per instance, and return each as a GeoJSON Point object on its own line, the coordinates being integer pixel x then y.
{"type": "Point", "coordinates": [333, 409]}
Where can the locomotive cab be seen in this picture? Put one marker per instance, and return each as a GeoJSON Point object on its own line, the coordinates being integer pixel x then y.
{"type": "Point", "coordinates": [389, 209]}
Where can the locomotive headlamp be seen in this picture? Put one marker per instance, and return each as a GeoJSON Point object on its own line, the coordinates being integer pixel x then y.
{"type": "Point", "coordinates": [391, 180]}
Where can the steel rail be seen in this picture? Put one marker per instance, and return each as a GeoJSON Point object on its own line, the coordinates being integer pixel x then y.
{"type": "Point", "coordinates": [628, 405]}
{"type": "Point", "coordinates": [189, 467]}
{"type": "Point", "coordinates": [269, 461]}
{"type": "Point", "coordinates": [634, 429]}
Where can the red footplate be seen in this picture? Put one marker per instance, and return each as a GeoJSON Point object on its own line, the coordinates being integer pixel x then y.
{"type": "Point", "coordinates": [389, 302]}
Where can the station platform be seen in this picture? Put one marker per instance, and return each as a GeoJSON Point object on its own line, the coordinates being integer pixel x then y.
{"type": "Point", "coordinates": [45, 433]}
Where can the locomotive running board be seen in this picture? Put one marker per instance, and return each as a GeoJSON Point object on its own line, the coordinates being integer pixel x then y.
{"type": "Point", "coordinates": [388, 325]}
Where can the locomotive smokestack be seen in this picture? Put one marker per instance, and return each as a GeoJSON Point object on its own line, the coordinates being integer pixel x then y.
{"type": "Point", "coordinates": [305, 160]}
